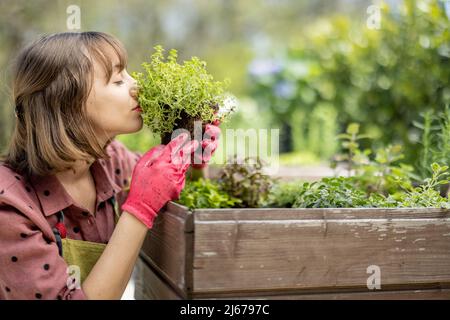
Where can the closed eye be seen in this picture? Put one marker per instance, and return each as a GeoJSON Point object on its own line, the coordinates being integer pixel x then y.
{"type": "Point", "coordinates": [119, 82]}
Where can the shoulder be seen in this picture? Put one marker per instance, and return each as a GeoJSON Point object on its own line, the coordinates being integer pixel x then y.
{"type": "Point", "coordinates": [18, 202]}
{"type": "Point", "coordinates": [14, 188]}
{"type": "Point", "coordinates": [8, 177]}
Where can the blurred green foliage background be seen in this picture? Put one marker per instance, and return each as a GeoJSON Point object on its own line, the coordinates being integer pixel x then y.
{"type": "Point", "coordinates": [308, 67]}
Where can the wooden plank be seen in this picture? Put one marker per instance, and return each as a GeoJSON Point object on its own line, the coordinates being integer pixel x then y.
{"type": "Point", "coordinates": [149, 286]}
{"type": "Point", "coordinates": [165, 246]}
{"type": "Point", "coordinates": [318, 213]}
{"type": "Point", "coordinates": [301, 249]}
{"type": "Point", "coordinates": [434, 294]}
{"type": "Point", "coordinates": [181, 212]}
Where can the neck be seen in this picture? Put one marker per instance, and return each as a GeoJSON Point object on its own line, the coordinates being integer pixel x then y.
{"type": "Point", "coordinates": [79, 171]}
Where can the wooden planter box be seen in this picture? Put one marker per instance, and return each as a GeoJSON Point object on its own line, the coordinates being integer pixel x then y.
{"type": "Point", "coordinates": [295, 254]}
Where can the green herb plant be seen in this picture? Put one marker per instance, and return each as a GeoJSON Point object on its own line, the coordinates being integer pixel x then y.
{"type": "Point", "coordinates": [336, 192]}
{"type": "Point", "coordinates": [246, 181]}
{"type": "Point", "coordinates": [171, 93]}
{"type": "Point", "coordinates": [204, 193]}
{"type": "Point", "coordinates": [435, 140]}
{"type": "Point", "coordinates": [283, 194]}
{"type": "Point", "coordinates": [426, 195]}
{"type": "Point", "coordinates": [376, 172]}
{"type": "Point", "coordinates": [333, 192]}
{"type": "Point", "coordinates": [343, 192]}
{"type": "Point", "coordinates": [377, 182]}
{"type": "Point", "coordinates": [354, 156]}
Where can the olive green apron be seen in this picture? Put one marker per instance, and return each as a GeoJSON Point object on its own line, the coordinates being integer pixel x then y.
{"type": "Point", "coordinates": [80, 253]}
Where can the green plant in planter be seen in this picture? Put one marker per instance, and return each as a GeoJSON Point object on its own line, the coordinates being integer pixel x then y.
{"type": "Point", "coordinates": [435, 140]}
{"type": "Point", "coordinates": [246, 181]}
{"type": "Point", "coordinates": [354, 156]}
{"type": "Point", "coordinates": [336, 192]}
{"type": "Point", "coordinates": [343, 192]}
{"type": "Point", "coordinates": [426, 195]}
{"type": "Point", "coordinates": [174, 95]}
{"type": "Point", "coordinates": [382, 174]}
{"type": "Point", "coordinates": [255, 190]}
{"type": "Point", "coordinates": [205, 193]}
{"type": "Point", "coordinates": [283, 194]}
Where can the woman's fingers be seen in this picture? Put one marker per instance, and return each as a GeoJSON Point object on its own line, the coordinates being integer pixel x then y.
{"type": "Point", "coordinates": [212, 132]}
{"type": "Point", "coordinates": [180, 149]}
{"type": "Point", "coordinates": [149, 157]}
{"type": "Point", "coordinates": [175, 145]}
{"type": "Point", "coordinates": [209, 146]}
{"type": "Point", "coordinates": [187, 152]}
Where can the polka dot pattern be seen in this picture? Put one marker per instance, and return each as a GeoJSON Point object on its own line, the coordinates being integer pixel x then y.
{"type": "Point", "coordinates": [31, 246]}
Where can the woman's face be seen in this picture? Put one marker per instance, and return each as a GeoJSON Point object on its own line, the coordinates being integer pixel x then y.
{"type": "Point", "coordinates": [112, 105]}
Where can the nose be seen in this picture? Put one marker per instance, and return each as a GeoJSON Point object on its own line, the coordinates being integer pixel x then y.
{"type": "Point", "coordinates": [134, 90]}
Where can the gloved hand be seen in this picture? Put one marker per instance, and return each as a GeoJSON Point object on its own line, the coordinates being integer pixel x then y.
{"type": "Point", "coordinates": [158, 177]}
{"type": "Point", "coordinates": [209, 145]}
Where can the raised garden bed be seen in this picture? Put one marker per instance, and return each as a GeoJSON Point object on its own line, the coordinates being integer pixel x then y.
{"type": "Point", "coordinates": [295, 254]}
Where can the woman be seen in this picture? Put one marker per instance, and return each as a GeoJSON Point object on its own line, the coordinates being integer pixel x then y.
{"type": "Point", "coordinates": [63, 172]}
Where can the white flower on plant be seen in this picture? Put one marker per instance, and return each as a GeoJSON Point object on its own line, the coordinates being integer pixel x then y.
{"type": "Point", "coordinates": [230, 104]}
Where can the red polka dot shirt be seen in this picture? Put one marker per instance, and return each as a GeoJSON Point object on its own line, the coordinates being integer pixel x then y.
{"type": "Point", "coordinates": [30, 264]}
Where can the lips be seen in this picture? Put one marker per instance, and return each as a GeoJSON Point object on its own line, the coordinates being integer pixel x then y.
{"type": "Point", "coordinates": [137, 108]}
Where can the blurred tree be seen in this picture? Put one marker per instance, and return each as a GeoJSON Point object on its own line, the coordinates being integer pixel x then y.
{"type": "Point", "coordinates": [382, 78]}
{"type": "Point", "coordinates": [14, 31]}
{"type": "Point", "coordinates": [224, 33]}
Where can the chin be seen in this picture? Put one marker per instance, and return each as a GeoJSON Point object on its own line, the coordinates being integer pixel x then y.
{"type": "Point", "coordinates": [131, 127]}
{"type": "Point", "coordinates": [134, 127]}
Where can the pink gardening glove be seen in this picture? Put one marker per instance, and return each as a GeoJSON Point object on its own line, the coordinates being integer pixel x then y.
{"type": "Point", "coordinates": [158, 177]}
{"type": "Point", "coordinates": [209, 145]}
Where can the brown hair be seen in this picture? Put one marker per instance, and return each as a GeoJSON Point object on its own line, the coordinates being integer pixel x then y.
{"type": "Point", "coordinates": [52, 80]}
